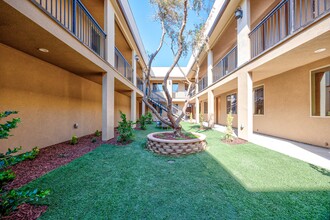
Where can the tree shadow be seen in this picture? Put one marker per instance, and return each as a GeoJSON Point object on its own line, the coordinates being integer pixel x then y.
{"type": "Point", "coordinates": [320, 170]}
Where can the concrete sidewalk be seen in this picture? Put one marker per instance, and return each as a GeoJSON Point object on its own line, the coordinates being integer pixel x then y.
{"type": "Point", "coordinates": [311, 154]}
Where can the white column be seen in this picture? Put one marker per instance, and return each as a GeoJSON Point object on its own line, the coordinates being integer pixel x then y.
{"type": "Point", "coordinates": [243, 30]}
{"type": "Point", "coordinates": [134, 67]}
{"type": "Point", "coordinates": [109, 28]}
{"type": "Point", "coordinates": [323, 94]}
{"type": "Point", "coordinates": [245, 105]}
{"type": "Point", "coordinates": [169, 87]}
{"type": "Point", "coordinates": [209, 67]}
{"type": "Point", "coordinates": [108, 105]}
{"type": "Point", "coordinates": [144, 89]}
{"type": "Point", "coordinates": [197, 110]}
{"type": "Point", "coordinates": [210, 108]}
{"type": "Point", "coordinates": [133, 106]}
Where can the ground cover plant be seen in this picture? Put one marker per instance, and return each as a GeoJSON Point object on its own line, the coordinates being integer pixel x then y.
{"type": "Point", "coordinates": [244, 182]}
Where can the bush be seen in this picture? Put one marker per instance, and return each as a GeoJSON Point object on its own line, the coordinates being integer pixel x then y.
{"type": "Point", "coordinates": [12, 199]}
{"type": "Point", "coordinates": [229, 128]}
{"type": "Point", "coordinates": [143, 122]}
{"type": "Point", "coordinates": [125, 129]}
{"type": "Point", "coordinates": [94, 139]}
{"type": "Point", "coordinates": [190, 117]}
{"type": "Point", "coordinates": [97, 133]}
{"type": "Point", "coordinates": [201, 120]}
{"type": "Point", "coordinates": [149, 118]}
{"type": "Point", "coordinates": [74, 140]}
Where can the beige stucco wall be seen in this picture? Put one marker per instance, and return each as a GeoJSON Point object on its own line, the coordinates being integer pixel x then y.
{"type": "Point", "coordinates": [259, 9]}
{"type": "Point", "coordinates": [122, 103]}
{"type": "Point", "coordinates": [287, 107]}
{"type": "Point", "coordinates": [50, 100]}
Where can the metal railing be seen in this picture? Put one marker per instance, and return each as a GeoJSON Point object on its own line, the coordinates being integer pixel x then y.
{"type": "Point", "coordinates": [286, 18]}
{"type": "Point", "coordinates": [226, 65]}
{"type": "Point", "coordinates": [73, 16]}
{"type": "Point", "coordinates": [139, 83]}
{"type": "Point", "coordinates": [202, 83]}
{"type": "Point", "coordinates": [123, 66]}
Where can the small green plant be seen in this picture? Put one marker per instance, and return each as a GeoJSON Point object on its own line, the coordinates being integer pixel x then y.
{"type": "Point", "coordinates": [190, 117]}
{"type": "Point", "coordinates": [201, 120]}
{"type": "Point", "coordinates": [74, 140]}
{"type": "Point", "coordinates": [229, 128]}
{"type": "Point", "coordinates": [97, 133]}
{"type": "Point", "coordinates": [6, 176]}
{"type": "Point", "coordinates": [143, 122]}
{"type": "Point", "coordinates": [94, 139]}
{"type": "Point", "coordinates": [12, 199]}
{"type": "Point", "coordinates": [125, 129]}
{"type": "Point", "coordinates": [149, 118]}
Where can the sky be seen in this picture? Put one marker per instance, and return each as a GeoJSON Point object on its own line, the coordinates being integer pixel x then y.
{"type": "Point", "coordinates": [150, 31]}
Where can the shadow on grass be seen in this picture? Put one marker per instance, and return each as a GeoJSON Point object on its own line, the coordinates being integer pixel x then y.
{"type": "Point", "coordinates": [321, 170]}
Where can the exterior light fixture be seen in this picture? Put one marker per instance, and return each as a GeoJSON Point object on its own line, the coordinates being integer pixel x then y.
{"type": "Point", "coordinates": [137, 58]}
{"type": "Point", "coordinates": [320, 50]}
{"type": "Point", "coordinates": [44, 50]}
{"type": "Point", "coordinates": [238, 13]}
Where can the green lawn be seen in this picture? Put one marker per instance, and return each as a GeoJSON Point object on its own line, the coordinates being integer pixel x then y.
{"type": "Point", "coordinates": [225, 182]}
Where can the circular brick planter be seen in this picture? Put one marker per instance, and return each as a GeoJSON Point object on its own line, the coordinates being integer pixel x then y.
{"type": "Point", "coordinates": [176, 147]}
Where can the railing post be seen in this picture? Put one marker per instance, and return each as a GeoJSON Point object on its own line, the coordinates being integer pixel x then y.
{"type": "Point", "coordinates": [291, 16]}
{"type": "Point", "coordinates": [74, 16]}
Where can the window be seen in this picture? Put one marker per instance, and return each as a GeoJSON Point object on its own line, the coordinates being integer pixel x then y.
{"type": "Point", "coordinates": [232, 104]}
{"type": "Point", "coordinates": [259, 100]}
{"type": "Point", "coordinates": [157, 87]}
{"type": "Point", "coordinates": [175, 87]}
{"type": "Point", "coordinates": [205, 108]}
{"type": "Point", "coordinates": [321, 92]}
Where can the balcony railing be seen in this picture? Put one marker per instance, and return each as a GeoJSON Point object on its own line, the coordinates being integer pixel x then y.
{"type": "Point", "coordinates": [73, 16]}
{"type": "Point", "coordinates": [123, 66]}
{"type": "Point", "coordinates": [202, 83]}
{"type": "Point", "coordinates": [226, 65]}
{"type": "Point", "coordinates": [286, 18]}
{"type": "Point", "coordinates": [179, 94]}
{"type": "Point", "coordinates": [139, 83]}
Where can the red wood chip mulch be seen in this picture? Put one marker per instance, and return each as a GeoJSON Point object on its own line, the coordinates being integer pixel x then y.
{"type": "Point", "coordinates": [49, 158]}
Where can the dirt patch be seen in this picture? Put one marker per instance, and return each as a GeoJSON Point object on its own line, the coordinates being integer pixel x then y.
{"type": "Point", "coordinates": [26, 212]}
{"type": "Point", "coordinates": [235, 141]}
{"type": "Point", "coordinates": [171, 136]}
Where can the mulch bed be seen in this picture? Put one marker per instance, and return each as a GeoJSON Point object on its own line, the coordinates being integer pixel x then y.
{"type": "Point", "coordinates": [236, 141]}
{"type": "Point", "coordinates": [50, 158]}
{"type": "Point", "coordinates": [170, 136]}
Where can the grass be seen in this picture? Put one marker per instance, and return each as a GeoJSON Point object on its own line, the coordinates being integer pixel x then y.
{"type": "Point", "coordinates": [225, 182]}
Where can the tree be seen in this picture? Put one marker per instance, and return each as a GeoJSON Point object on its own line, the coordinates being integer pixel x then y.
{"type": "Point", "coordinates": [173, 15]}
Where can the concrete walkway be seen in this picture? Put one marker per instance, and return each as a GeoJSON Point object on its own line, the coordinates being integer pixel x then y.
{"type": "Point", "coordinates": [311, 154]}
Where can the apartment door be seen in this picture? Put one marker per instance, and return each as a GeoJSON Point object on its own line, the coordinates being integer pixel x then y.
{"type": "Point", "coordinates": [217, 110]}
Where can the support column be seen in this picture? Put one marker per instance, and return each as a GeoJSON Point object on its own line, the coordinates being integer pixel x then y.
{"type": "Point", "coordinates": [109, 28]}
{"type": "Point", "coordinates": [134, 67]}
{"type": "Point", "coordinates": [197, 110]}
{"type": "Point", "coordinates": [144, 89]}
{"type": "Point", "coordinates": [243, 30]}
{"type": "Point", "coordinates": [245, 105]}
{"type": "Point", "coordinates": [209, 67]}
{"type": "Point", "coordinates": [108, 106]}
{"type": "Point", "coordinates": [169, 86]}
{"type": "Point", "coordinates": [210, 108]}
{"type": "Point", "coordinates": [133, 106]}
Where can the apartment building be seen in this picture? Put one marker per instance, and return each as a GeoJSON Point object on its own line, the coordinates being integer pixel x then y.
{"type": "Point", "coordinates": [68, 67]}
{"type": "Point", "coordinates": [268, 63]}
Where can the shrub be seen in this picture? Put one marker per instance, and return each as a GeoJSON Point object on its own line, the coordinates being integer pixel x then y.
{"type": "Point", "coordinates": [201, 120]}
{"type": "Point", "coordinates": [12, 199]}
{"type": "Point", "coordinates": [229, 128]}
{"type": "Point", "coordinates": [97, 133]}
{"type": "Point", "coordinates": [191, 117]}
{"type": "Point", "coordinates": [143, 122]}
{"type": "Point", "coordinates": [74, 140]}
{"type": "Point", "coordinates": [125, 129]}
{"type": "Point", "coordinates": [94, 139]}
{"type": "Point", "coordinates": [6, 176]}
{"type": "Point", "coordinates": [149, 118]}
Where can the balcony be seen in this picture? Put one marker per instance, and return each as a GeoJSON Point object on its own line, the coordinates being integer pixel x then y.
{"type": "Point", "coordinates": [179, 94]}
{"type": "Point", "coordinates": [74, 17]}
{"type": "Point", "coordinates": [226, 65]}
{"type": "Point", "coordinates": [123, 66]}
{"type": "Point", "coordinates": [139, 83]}
{"type": "Point", "coordinates": [202, 83]}
{"type": "Point", "coordinates": [285, 19]}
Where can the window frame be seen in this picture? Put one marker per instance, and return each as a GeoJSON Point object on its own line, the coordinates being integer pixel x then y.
{"type": "Point", "coordinates": [235, 93]}
{"type": "Point", "coordinates": [264, 95]}
{"type": "Point", "coordinates": [311, 72]}
{"type": "Point", "coordinates": [157, 90]}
